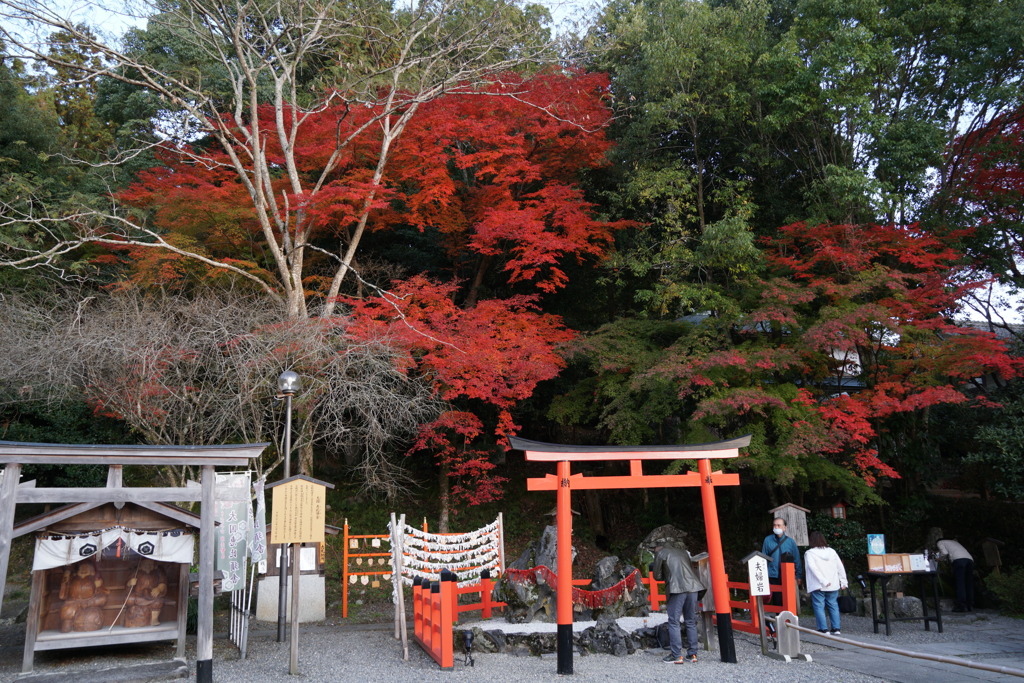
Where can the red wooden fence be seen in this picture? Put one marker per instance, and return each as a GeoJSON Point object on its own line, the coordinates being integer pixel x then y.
{"type": "Point", "coordinates": [436, 608]}
{"type": "Point", "coordinates": [789, 598]}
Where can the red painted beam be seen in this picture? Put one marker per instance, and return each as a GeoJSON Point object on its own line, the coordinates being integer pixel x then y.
{"type": "Point", "coordinates": [579, 481]}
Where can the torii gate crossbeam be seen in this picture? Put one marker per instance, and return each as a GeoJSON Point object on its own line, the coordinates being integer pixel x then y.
{"type": "Point", "coordinates": [563, 482]}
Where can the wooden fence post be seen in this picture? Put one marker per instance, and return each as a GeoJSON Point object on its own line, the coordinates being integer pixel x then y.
{"type": "Point", "coordinates": [344, 571]}
{"type": "Point", "coordinates": [445, 646]}
{"type": "Point", "coordinates": [486, 587]}
{"type": "Point", "coordinates": [789, 589]}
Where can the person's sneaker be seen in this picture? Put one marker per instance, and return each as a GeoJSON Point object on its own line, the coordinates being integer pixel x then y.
{"type": "Point", "coordinates": [692, 659]}
{"type": "Point", "coordinates": [672, 659]}
{"type": "Point", "coordinates": [836, 632]}
{"type": "Point", "coordinates": [821, 630]}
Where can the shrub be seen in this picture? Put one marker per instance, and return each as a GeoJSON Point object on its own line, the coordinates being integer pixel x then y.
{"type": "Point", "coordinates": [1009, 588]}
{"type": "Point", "coordinates": [845, 536]}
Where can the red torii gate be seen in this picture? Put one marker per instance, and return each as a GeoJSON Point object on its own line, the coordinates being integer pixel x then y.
{"type": "Point", "coordinates": [563, 483]}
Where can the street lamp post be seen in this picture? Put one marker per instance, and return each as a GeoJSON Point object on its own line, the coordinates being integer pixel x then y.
{"type": "Point", "coordinates": [288, 383]}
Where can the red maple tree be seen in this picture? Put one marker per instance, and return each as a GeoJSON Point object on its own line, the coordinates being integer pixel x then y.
{"type": "Point", "coordinates": [492, 354]}
{"type": "Point", "coordinates": [494, 174]}
{"type": "Point", "coordinates": [853, 329]}
{"type": "Point", "coordinates": [987, 183]}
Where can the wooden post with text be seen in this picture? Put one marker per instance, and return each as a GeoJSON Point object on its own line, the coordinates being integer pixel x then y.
{"type": "Point", "coordinates": [298, 515]}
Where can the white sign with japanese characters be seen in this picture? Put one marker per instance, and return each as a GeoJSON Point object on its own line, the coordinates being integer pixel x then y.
{"type": "Point", "coordinates": [757, 566]}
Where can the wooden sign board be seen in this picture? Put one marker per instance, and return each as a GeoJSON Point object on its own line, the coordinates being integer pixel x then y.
{"type": "Point", "coordinates": [796, 521]}
{"type": "Point", "coordinates": [299, 512]}
{"type": "Point", "coordinates": [757, 569]}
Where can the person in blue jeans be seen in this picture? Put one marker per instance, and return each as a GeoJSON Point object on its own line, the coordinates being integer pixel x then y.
{"type": "Point", "coordinates": [675, 567]}
{"type": "Point", "coordinates": [780, 548]}
{"type": "Point", "coordinates": [826, 576]}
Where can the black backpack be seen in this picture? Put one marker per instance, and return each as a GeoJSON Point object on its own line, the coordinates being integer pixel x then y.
{"type": "Point", "coordinates": [662, 634]}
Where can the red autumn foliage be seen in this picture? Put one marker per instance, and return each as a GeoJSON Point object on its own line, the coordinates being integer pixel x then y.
{"type": "Point", "coordinates": [492, 354]}
{"type": "Point", "coordinates": [494, 173]}
{"type": "Point", "coordinates": [858, 319]}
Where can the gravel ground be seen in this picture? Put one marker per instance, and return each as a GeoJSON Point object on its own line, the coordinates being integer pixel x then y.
{"type": "Point", "coordinates": [332, 652]}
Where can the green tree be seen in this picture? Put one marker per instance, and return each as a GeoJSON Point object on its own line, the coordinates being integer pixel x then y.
{"type": "Point", "coordinates": [998, 448]}
{"type": "Point", "coordinates": [681, 75]}
{"type": "Point", "coordinates": [896, 81]}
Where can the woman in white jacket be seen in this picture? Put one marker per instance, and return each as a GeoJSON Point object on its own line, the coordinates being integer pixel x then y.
{"type": "Point", "coordinates": [825, 576]}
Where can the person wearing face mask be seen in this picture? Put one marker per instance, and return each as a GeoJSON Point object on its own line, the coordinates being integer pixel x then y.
{"type": "Point", "coordinates": [780, 548]}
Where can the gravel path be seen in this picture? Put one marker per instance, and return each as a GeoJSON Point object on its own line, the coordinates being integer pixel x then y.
{"type": "Point", "coordinates": [333, 652]}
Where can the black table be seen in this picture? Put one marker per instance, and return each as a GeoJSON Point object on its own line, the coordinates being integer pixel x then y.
{"type": "Point", "coordinates": [883, 579]}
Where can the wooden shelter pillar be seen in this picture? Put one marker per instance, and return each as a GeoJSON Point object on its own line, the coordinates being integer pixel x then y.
{"type": "Point", "coordinates": [14, 454]}
{"type": "Point", "coordinates": [8, 501]}
{"type": "Point", "coordinates": [204, 631]}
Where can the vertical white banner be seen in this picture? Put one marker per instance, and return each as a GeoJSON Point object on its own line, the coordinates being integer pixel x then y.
{"type": "Point", "coordinates": [232, 513]}
{"type": "Point", "coordinates": [258, 541]}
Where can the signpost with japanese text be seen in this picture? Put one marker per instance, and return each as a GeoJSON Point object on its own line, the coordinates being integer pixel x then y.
{"type": "Point", "coordinates": [757, 568]}
{"type": "Point", "coordinates": [298, 516]}
{"type": "Point", "coordinates": [299, 510]}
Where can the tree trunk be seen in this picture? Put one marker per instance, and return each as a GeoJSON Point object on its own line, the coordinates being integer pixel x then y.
{"type": "Point", "coordinates": [306, 460]}
{"type": "Point", "coordinates": [444, 515]}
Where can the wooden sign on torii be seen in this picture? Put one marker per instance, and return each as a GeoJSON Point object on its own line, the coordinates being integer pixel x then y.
{"type": "Point", "coordinates": [564, 482]}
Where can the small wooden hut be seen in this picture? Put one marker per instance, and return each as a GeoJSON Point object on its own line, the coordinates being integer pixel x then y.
{"type": "Point", "coordinates": [110, 575]}
{"type": "Point", "coordinates": [82, 499]}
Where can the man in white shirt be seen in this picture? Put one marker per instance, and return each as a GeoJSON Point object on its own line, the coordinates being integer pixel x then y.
{"type": "Point", "coordinates": [963, 573]}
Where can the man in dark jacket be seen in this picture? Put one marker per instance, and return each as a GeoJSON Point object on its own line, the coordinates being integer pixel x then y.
{"type": "Point", "coordinates": [780, 548]}
{"type": "Point", "coordinates": [674, 566]}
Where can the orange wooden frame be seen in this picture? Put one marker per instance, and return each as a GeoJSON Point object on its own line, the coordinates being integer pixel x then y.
{"type": "Point", "coordinates": [436, 609]}
{"type": "Point", "coordinates": [564, 482]}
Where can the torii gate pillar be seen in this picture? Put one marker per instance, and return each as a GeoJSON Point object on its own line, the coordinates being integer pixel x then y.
{"type": "Point", "coordinates": [564, 482]}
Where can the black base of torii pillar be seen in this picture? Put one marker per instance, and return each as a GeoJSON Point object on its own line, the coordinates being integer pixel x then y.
{"type": "Point", "coordinates": [564, 482]}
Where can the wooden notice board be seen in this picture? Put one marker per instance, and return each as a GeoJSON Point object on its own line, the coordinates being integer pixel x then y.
{"type": "Point", "coordinates": [299, 511]}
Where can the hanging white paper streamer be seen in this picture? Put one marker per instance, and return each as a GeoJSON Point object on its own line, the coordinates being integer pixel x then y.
{"type": "Point", "coordinates": [58, 550]}
{"type": "Point", "coordinates": [426, 554]}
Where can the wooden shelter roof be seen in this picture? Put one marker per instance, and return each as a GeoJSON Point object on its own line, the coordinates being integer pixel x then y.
{"type": "Point", "coordinates": [64, 512]}
{"type": "Point", "coordinates": [231, 455]}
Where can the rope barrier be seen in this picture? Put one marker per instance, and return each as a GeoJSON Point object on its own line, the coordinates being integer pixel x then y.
{"type": "Point", "coordinates": [587, 598]}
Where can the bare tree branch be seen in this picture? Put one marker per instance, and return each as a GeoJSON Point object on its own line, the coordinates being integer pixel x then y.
{"type": "Point", "coordinates": [222, 62]}
{"type": "Point", "coordinates": [204, 371]}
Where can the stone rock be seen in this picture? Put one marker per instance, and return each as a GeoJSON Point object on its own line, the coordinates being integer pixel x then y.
{"type": "Point", "coordinates": [607, 573]}
{"type": "Point", "coordinates": [543, 551]}
{"type": "Point", "coordinates": [647, 638]}
{"type": "Point", "coordinates": [527, 600]}
{"type": "Point", "coordinates": [535, 644]}
{"type": "Point", "coordinates": [897, 584]}
{"type": "Point", "coordinates": [607, 637]}
{"type": "Point", "coordinates": [483, 641]}
{"type": "Point", "coordinates": [907, 606]}
{"type": "Point", "coordinates": [635, 602]}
